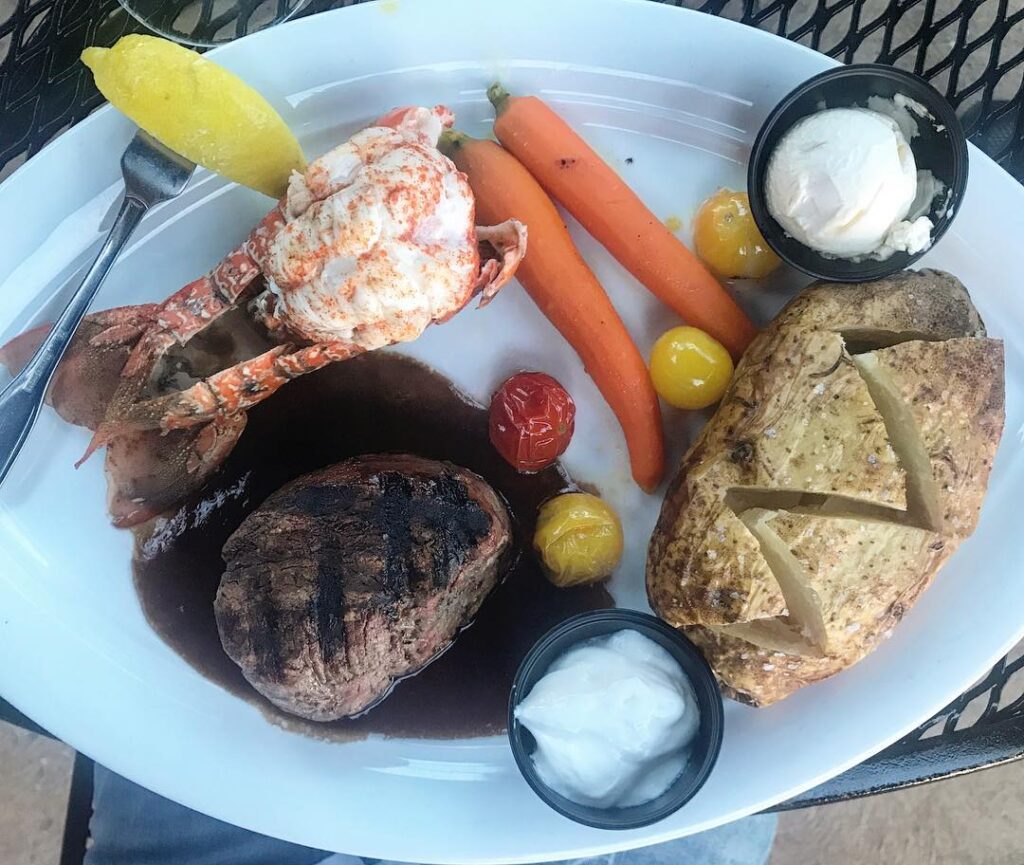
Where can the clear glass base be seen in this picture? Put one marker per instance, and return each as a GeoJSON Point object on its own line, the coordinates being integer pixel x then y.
{"type": "Point", "coordinates": [205, 23]}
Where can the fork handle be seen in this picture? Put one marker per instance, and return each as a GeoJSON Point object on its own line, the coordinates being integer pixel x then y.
{"type": "Point", "coordinates": [22, 398]}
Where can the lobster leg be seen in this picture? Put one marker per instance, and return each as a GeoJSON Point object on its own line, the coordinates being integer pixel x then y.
{"type": "Point", "coordinates": [508, 239]}
{"type": "Point", "coordinates": [149, 472]}
{"type": "Point", "coordinates": [90, 373]}
{"type": "Point", "coordinates": [122, 325]}
{"type": "Point", "coordinates": [202, 301]}
{"type": "Point", "coordinates": [228, 392]}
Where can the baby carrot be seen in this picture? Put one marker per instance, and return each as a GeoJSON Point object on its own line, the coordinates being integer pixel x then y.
{"type": "Point", "coordinates": [573, 174]}
{"type": "Point", "coordinates": [567, 292]}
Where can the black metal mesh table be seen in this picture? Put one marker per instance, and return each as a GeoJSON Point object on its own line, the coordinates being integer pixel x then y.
{"type": "Point", "coordinates": [972, 50]}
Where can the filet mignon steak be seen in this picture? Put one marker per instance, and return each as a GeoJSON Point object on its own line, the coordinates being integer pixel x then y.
{"type": "Point", "coordinates": [353, 576]}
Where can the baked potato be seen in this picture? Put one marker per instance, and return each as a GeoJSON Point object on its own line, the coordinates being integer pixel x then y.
{"type": "Point", "coordinates": [847, 461]}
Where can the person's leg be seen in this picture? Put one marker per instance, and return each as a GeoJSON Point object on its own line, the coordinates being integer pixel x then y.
{"type": "Point", "coordinates": [132, 826]}
{"type": "Point", "coordinates": [745, 842]}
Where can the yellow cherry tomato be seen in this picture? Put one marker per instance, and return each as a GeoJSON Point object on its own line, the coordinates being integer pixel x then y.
{"type": "Point", "coordinates": [727, 238]}
{"type": "Point", "coordinates": [199, 109]}
{"type": "Point", "coordinates": [689, 368]}
{"type": "Point", "coordinates": [579, 539]}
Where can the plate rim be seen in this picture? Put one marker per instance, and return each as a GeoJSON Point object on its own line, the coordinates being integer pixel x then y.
{"type": "Point", "coordinates": [651, 836]}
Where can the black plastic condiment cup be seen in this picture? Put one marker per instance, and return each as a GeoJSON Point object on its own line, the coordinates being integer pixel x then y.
{"type": "Point", "coordinates": [703, 749]}
{"type": "Point", "coordinates": [940, 148]}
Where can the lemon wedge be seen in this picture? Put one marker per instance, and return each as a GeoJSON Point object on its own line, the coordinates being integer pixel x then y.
{"type": "Point", "coordinates": [199, 109]}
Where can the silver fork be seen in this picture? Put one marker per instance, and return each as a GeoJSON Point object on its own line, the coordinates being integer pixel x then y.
{"type": "Point", "coordinates": [152, 174]}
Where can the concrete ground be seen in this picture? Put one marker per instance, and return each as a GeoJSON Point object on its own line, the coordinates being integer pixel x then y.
{"type": "Point", "coordinates": [34, 776]}
{"type": "Point", "coordinates": [968, 820]}
{"type": "Point", "coordinates": [962, 821]}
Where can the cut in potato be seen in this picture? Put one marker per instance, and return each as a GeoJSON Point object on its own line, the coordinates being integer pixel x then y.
{"type": "Point", "coordinates": [954, 393]}
{"type": "Point", "coordinates": [779, 634]}
{"type": "Point", "coordinates": [744, 498]}
{"type": "Point", "coordinates": [731, 580]}
{"type": "Point", "coordinates": [805, 609]}
{"type": "Point", "coordinates": [922, 490]}
{"type": "Point", "coordinates": [862, 340]}
{"type": "Point", "coordinates": [889, 562]}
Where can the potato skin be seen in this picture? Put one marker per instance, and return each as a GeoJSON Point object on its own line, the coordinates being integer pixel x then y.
{"type": "Point", "coordinates": [798, 418]}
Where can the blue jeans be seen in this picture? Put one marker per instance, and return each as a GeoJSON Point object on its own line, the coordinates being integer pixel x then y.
{"type": "Point", "coordinates": [132, 826]}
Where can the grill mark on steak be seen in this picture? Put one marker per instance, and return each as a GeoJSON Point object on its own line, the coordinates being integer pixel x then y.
{"type": "Point", "coordinates": [412, 514]}
{"type": "Point", "coordinates": [439, 521]}
{"type": "Point", "coordinates": [327, 602]}
{"type": "Point", "coordinates": [266, 626]}
{"type": "Point", "coordinates": [316, 501]}
{"type": "Point", "coordinates": [441, 517]}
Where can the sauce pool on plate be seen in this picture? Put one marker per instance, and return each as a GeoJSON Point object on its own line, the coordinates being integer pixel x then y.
{"type": "Point", "coordinates": [378, 403]}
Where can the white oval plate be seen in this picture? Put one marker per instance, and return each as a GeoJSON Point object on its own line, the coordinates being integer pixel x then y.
{"type": "Point", "coordinates": [679, 93]}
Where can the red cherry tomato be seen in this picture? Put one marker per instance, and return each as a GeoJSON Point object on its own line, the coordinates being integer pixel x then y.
{"type": "Point", "coordinates": [531, 421]}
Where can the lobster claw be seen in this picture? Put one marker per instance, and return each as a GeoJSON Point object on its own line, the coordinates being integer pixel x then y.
{"type": "Point", "coordinates": [149, 472]}
{"type": "Point", "coordinates": [508, 240]}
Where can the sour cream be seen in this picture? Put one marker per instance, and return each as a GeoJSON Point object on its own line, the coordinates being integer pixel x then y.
{"type": "Point", "coordinates": [843, 181]}
{"type": "Point", "coordinates": [613, 719]}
